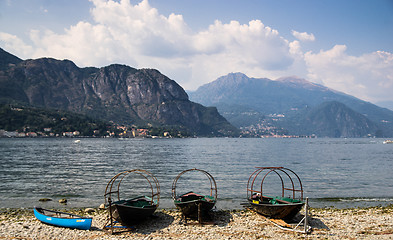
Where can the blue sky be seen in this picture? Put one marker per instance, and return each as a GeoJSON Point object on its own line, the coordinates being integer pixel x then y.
{"type": "Point", "coordinates": [344, 45]}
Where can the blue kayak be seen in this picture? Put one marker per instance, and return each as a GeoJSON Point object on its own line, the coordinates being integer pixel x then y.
{"type": "Point", "coordinates": [62, 219]}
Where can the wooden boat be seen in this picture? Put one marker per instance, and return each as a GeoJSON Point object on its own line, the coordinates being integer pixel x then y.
{"type": "Point", "coordinates": [191, 203]}
{"type": "Point", "coordinates": [134, 210]}
{"type": "Point", "coordinates": [194, 205]}
{"type": "Point", "coordinates": [129, 212]}
{"type": "Point", "coordinates": [276, 207]}
{"type": "Point", "coordinates": [62, 219]}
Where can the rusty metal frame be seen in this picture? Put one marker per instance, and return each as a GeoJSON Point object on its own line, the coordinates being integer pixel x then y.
{"type": "Point", "coordinates": [279, 171]}
{"type": "Point", "coordinates": [150, 178]}
{"type": "Point", "coordinates": [213, 185]}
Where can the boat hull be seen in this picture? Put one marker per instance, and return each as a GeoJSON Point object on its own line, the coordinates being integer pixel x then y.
{"type": "Point", "coordinates": [62, 219]}
{"type": "Point", "coordinates": [128, 214]}
{"type": "Point", "coordinates": [190, 209]}
{"type": "Point", "coordinates": [277, 211]}
{"type": "Point", "coordinates": [192, 204]}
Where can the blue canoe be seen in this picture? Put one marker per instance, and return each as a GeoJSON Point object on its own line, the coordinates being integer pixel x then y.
{"type": "Point", "coordinates": [62, 219]}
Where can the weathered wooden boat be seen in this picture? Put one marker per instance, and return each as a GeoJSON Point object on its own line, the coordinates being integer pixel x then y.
{"type": "Point", "coordinates": [276, 207]}
{"type": "Point", "coordinates": [191, 203]}
{"type": "Point", "coordinates": [279, 207]}
{"type": "Point", "coordinates": [194, 205]}
{"type": "Point", "coordinates": [133, 210]}
{"type": "Point", "coordinates": [62, 219]}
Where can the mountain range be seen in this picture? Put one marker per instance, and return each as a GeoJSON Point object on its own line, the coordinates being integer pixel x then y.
{"type": "Point", "coordinates": [293, 105]}
{"type": "Point", "coordinates": [145, 97]}
{"type": "Point", "coordinates": [116, 93]}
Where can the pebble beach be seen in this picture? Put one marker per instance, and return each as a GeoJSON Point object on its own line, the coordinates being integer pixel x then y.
{"type": "Point", "coordinates": [326, 223]}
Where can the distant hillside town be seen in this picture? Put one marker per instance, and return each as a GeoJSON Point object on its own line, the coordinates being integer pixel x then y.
{"type": "Point", "coordinates": [27, 122]}
{"type": "Point", "coordinates": [121, 132]}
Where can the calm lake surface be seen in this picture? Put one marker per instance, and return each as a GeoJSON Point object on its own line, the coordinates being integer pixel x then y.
{"type": "Point", "coordinates": [334, 172]}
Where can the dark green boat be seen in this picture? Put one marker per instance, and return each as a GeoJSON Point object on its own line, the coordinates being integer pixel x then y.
{"type": "Point", "coordinates": [194, 205]}
{"type": "Point", "coordinates": [132, 210]}
{"type": "Point", "coordinates": [191, 203]}
{"type": "Point", "coordinates": [276, 207]}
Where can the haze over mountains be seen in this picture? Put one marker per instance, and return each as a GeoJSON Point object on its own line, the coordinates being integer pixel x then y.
{"type": "Point", "coordinates": [294, 106]}
{"type": "Point", "coordinates": [116, 93]}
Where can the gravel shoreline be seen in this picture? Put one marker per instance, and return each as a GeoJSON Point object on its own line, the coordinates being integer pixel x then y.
{"type": "Point", "coordinates": [327, 223]}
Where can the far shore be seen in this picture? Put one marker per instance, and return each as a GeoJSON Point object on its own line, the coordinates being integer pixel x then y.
{"type": "Point", "coordinates": [326, 223]}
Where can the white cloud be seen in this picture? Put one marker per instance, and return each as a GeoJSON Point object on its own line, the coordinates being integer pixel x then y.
{"type": "Point", "coordinates": [15, 44]}
{"type": "Point", "coordinates": [369, 77]}
{"type": "Point", "coordinates": [139, 36]}
{"type": "Point", "coordinates": [303, 36]}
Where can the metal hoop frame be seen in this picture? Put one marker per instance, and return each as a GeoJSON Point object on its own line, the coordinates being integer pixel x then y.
{"type": "Point", "coordinates": [213, 185]}
{"type": "Point", "coordinates": [279, 171]}
{"type": "Point", "coordinates": [150, 178]}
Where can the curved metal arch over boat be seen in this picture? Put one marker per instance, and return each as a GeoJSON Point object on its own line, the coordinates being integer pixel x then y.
{"type": "Point", "coordinates": [134, 210]}
{"type": "Point", "coordinates": [280, 171]}
{"type": "Point", "coordinates": [150, 178]}
{"type": "Point", "coordinates": [213, 184]}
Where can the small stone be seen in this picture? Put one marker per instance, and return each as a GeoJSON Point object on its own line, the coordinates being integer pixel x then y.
{"type": "Point", "coordinates": [102, 206]}
{"type": "Point", "coordinates": [45, 199]}
{"type": "Point", "coordinates": [90, 210]}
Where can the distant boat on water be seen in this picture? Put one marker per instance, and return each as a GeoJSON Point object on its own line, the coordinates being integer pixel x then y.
{"type": "Point", "coordinates": [387, 141]}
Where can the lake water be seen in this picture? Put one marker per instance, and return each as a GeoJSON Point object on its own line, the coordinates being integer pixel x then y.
{"type": "Point", "coordinates": [334, 172]}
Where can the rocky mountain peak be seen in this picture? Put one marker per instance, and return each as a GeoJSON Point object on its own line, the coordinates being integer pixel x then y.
{"type": "Point", "coordinates": [335, 119]}
{"type": "Point", "coordinates": [118, 93]}
{"type": "Point", "coordinates": [7, 59]}
{"type": "Point", "coordinates": [295, 81]}
{"type": "Point", "coordinates": [251, 102]}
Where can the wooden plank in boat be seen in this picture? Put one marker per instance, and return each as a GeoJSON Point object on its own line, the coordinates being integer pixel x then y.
{"type": "Point", "coordinates": [280, 222]}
